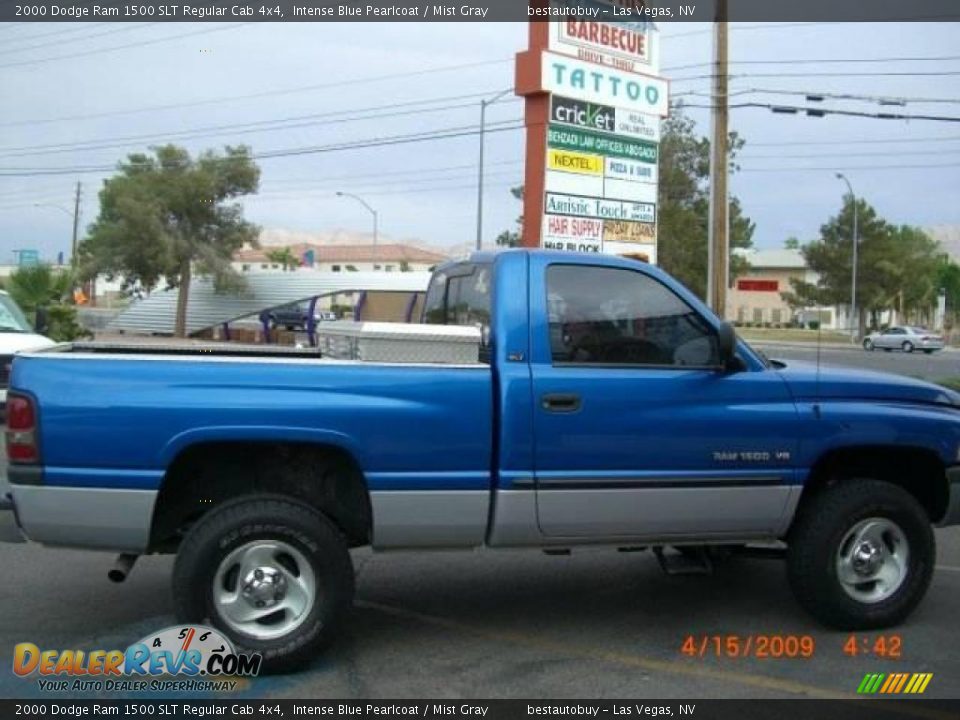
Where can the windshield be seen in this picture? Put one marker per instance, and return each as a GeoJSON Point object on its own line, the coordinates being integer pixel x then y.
{"type": "Point", "coordinates": [11, 317]}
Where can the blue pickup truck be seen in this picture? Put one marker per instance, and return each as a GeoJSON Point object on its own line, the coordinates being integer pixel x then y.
{"type": "Point", "coordinates": [607, 406]}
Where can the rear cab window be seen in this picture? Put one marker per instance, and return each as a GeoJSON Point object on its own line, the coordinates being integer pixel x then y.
{"type": "Point", "coordinates": [461, 295]}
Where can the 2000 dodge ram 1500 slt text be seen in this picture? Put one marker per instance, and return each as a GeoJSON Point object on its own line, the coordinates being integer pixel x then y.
{"type": "Point", "coordinates": [608, 406]}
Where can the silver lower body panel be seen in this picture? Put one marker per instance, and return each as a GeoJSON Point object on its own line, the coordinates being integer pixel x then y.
{"type": "Point", "coordinates": [94, 518]}
{"type": "Point", "coordinates": [429, 518]}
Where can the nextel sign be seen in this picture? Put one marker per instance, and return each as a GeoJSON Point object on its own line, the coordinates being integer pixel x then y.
{"type": "Point", "coordinates": [582, 114]}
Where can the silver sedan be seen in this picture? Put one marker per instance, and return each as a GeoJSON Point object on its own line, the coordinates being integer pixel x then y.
{"type": "Point", "coordinates": [905, 338]}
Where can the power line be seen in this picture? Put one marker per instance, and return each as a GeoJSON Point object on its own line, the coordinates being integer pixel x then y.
{"type": "Point", "coordinates": [779, 156]}
{"type": "Point", "coordinates": [438, 134]}
{"type": "Point", "coordinates": [850, 167]}
{"type": "Point", "coordinates": [266, 93]}
{"type": "Point", "coordinates": [817, 112]}
{"type": "Point", "coordinates": [825, 94]}
{"type": "Point", "coordinates": [83, 38]}
{"type": "Point", "coordinates": [858, 141]}
{"type": "Point", "coordinates": [818, 61]}
{"type": "Point", "coordinates": [738, 76]}
{"type": "Point", "coordinates": [84, 27]}
{"type": "Point", "coordinates": [289, 123]}
{"type": "Point", "coordinates": [98, 51]}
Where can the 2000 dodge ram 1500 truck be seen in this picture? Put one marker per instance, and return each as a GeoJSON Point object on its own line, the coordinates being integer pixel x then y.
{"type": "Point", "coordinates": [608, 406]}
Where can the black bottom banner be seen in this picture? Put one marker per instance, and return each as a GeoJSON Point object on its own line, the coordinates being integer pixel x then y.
{"type": "Point", "coordinates": [492, 709]}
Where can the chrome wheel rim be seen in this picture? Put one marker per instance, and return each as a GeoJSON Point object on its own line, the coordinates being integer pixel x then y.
{"type": "Point", "coordinates": [873, 560]}
{"type": "Point", "coordinates": [265, 589]}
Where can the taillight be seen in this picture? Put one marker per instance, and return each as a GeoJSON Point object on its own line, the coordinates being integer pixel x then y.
{"type": "Point", "coordinates": [21, 429]}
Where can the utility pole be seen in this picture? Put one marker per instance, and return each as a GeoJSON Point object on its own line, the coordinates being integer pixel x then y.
{"type": "Point", "coordinates": [855, 241]}
{"type": "Point", "coordinates": [76, 224]}
{"type": "Point", "coordinates": [718, 275]}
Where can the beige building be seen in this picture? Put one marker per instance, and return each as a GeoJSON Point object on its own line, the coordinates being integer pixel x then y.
{"type": "Point", "coordinates": [755, 297]}
{"type": "Point", "coordinates": [390, 257]}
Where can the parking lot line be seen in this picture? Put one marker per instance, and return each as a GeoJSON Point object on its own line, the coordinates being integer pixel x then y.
{"type": "Point", "coordinates": [618, 658]}
{"type": "Point", "coordinates": [948, 568]}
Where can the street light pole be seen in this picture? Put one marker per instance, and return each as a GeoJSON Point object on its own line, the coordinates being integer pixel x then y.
{"type": "Point", "coordinates": [483, 127]}
{"type": "Point", "coordinates": [854, 320]}
{"type": "Point", "coordinates": [371, 211]}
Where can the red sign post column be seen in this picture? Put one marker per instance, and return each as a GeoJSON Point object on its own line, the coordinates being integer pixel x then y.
{"type": "Point", "coordinates": [536, 117]}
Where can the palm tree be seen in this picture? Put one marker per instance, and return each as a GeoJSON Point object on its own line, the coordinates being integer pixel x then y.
{"type": "Point", "coordinates": [34, 286]}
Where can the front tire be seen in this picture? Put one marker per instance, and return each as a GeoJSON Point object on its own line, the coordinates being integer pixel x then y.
{"type": "Point", "coordinates": [868, 345]}
{"type": "Point", "coordinates": [861, 555]}
{"type": "Point", "coordinates": [907, 347]}
{"type": "Point", "coordinates": [271, 573]}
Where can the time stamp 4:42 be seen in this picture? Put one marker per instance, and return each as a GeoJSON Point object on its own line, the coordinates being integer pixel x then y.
{"type": "Point", "coordinates": [786, 646]}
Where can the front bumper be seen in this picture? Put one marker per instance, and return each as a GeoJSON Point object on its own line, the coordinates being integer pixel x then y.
{"type": "Point", "coordinates": [10, 531]}
{"type": "Point", "coordinates": [952, 515]}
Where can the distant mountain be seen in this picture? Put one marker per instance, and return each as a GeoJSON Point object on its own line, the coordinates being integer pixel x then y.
{"type": "Point", "coordinates": [949, 238]}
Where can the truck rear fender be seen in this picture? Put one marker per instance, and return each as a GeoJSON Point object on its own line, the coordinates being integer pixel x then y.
{"type": "Point", "coordinates": [326, 475]}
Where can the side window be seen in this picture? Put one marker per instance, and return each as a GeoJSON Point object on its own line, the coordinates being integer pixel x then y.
{"type": "Point", "coordinates": [610, 316]}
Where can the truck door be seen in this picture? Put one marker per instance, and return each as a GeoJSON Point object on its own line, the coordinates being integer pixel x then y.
{"type": "Point", "coordinates": [639, 433]}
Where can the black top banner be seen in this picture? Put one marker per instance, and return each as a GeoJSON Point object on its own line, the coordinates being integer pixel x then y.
{"type": "Point", "coordinates": [252, 709]}
{"type": "Point", "coordinates": [628, 11]}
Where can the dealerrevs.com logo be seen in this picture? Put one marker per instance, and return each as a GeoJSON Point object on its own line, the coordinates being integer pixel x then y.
{"type": "Point", "coordinates": [201, 654]}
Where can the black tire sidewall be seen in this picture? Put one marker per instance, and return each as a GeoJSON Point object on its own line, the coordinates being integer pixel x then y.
{"type": "Point", "coordinates": [816, 539]}
{"type": "Point", "coordinates": [907, 347]}
{"type": "Point", "coordinates": [266, 517]}
{"type": "Point", "coordinates": [868, 344]}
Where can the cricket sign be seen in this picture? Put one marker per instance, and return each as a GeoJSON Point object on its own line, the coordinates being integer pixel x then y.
{"type": "Point", "coordinates": [572, 234]}
{"type": "Point", "coordinates": [582, 114]}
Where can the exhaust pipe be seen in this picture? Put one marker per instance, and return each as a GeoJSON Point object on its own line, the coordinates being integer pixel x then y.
{"type": "Point", "coordinates": [122, 567]}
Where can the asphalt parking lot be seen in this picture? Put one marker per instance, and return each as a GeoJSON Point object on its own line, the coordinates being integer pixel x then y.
{"type": "Point", "coordinates": [505, 624]}
{"type": "Point", "coordinates": [491, 624]}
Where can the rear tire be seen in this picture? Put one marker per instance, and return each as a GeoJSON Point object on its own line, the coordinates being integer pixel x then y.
{"type": "Point", "coordinates": [907, 347]}
{"type": "Point", "coordinates": [868, 345]}
{"type": "Point", "coordinates": [261, 552]}
{"type": "Point", "coordinates": [861, 555]}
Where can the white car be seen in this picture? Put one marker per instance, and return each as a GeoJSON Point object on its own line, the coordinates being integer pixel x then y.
{"type": "Point", "coordinates": [905, 338]}
{"type": "Point", "coordinates": [15, 335]}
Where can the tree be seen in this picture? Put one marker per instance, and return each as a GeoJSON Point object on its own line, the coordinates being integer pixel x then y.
{"type": "Point", "coordinates": [511, 238]}
{"type": "Point", "coordinates": [897, 265]}
{"type": "Point", "coordinates": [36, 286]}
{"type": "Point", "coordinates": [284, 257]}
{"type": "Point", "coordinates": [684, 205]}
{"type": "Point", "coordinates": [791, 243]}
{"type": "Point", "coordinates": [41, 286]}
{"type": "Point", "coordinates": [167, 215]}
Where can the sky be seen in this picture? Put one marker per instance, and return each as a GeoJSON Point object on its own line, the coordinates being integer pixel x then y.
{"type": "Point", "coordinates": [77, 97]}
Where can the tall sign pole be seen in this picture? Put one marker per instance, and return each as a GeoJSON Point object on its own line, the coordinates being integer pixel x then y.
{"type": "Point", "coordinates": [718, 273]}
{"type": "Point", "coordinates": [536, 118]}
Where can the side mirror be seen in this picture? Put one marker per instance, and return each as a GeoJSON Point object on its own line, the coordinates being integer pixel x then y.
{"type": "Point", "coordinates": [727, 345]}
{"type": "Point", "coordinates": [41, 321]}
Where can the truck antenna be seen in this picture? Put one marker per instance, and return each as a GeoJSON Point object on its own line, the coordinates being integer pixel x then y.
{"type": "Point", "coordinates": [816, 385]}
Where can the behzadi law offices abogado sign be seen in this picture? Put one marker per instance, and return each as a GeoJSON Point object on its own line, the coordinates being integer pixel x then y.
{"type": "Point", "coordinates": [594, 104]}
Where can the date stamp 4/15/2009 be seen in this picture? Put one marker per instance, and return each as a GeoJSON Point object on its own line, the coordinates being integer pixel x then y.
{"type": "Point", "coordinates": [780, 646]}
